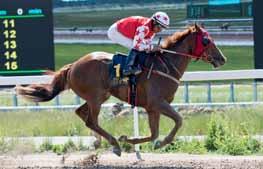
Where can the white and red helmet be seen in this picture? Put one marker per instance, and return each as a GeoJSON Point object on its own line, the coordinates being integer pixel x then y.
{"type": "Point", "coordinates": [162, 18]}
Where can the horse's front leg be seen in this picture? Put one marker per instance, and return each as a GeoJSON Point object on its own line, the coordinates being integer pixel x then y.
{"type": "Point", "coordinates": [167, 110]}
{"type": "Point", "coordinates": [154, 118]}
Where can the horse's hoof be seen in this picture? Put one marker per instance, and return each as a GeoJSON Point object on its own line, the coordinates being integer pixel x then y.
{"type": "Point", "coordinates": [156, 144]}
{"type": "Point", "coordinates": [123, 138]}
{"type": "Point", "coordinates": [117, 151]}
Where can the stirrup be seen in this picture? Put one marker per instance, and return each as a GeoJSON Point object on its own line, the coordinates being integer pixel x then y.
{"type": "Point", "coordinates": [137, 71]}
{"type": "Point", "coordinates": [127, 72]}
{"type": "Point", "coordinates": [131, 71]}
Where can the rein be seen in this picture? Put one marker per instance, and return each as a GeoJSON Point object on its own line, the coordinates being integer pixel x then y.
{"type": "Point", "coordinates": [189, 55]}
{"type": "Point", "coordinates": [178, 53]}
{"type": "Point", "coordinates": [192, 56]}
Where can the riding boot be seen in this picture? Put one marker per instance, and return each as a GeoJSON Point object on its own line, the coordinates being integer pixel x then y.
{"type": "Point", "coordinates": [131, 68]}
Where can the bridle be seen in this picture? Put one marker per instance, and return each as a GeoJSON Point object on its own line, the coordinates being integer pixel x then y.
{"type": "Point", "coordinates": [200, 47]}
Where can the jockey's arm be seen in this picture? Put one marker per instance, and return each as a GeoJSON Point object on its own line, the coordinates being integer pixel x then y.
{"type": "Point", "coordinates": [140, 43]}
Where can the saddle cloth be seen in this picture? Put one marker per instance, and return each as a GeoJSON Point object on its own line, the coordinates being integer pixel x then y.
{"type": "Point", "coordinates": [119, 62]}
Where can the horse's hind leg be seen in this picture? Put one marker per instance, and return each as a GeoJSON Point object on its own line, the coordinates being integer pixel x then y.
{"type": "Point", "coordinates": [82, 112]}
{"type": "Point", "coordinates": [89, 113]}
{"type": "Point", "coordinates": [154, 118]}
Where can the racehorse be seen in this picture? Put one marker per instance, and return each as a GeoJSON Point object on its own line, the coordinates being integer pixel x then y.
{"type": "Point", "coordinates": [89, 78]}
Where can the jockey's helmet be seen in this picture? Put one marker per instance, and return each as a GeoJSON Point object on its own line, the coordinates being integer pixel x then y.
{"type": "Point", "coordinates": [161, 18]}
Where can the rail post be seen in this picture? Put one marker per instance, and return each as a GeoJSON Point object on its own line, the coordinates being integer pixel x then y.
{"type": "Point", "coordinates": [232, 92]}
{"type": "Point", "coordinates": [209, 93]}
{"type": "Point", "coordinates": [186, 92]}
{"type": "Point", "coordinates": [255, 91]}
{"type": "Point", "coordinates": [136, 131]}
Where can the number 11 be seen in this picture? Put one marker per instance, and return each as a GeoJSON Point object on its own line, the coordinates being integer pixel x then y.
{"type": "Point", "coordinates": [9, 23]}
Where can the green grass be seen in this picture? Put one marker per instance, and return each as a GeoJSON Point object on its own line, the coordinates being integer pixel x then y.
{"type": "Point", "coordinates": [239, 57]}
{"type": "Point", "coordinates": [107, 18]}
{"type": "Point", "coordinates": [68, 53]}
{"type": "Point", "coordinates": [49, 123]}
{"type": "Point", "coordinates": [61, 123]}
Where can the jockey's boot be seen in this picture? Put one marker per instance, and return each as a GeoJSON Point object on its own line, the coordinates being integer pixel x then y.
{"type": "Point", "coordinates": [131, 68]}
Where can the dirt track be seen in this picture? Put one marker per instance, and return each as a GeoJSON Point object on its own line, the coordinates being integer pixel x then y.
{"type": "Point", "coordinates": [110, 161]}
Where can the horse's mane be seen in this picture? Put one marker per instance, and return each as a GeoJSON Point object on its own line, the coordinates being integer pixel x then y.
{"type": "Point", "coordinates": [176, 37]}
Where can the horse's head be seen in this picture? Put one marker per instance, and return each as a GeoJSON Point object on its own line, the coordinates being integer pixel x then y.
{"type": "Point", "coordinates": [196, 43]}
{"type": "Point", "coordinates": [204, 47]}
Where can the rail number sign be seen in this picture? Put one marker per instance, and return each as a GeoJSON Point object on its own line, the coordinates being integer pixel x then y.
{"type": "Point", "coordinates": [26, 37]}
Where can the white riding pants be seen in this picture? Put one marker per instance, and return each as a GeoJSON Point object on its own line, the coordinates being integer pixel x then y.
{"type": "Point", "coordinates": [117, 37]}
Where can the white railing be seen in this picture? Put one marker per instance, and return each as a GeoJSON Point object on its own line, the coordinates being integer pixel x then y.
{"type": "Point", "coordinates": [202, 76]}
{"type": "Point", "coordinates": [223, 75]}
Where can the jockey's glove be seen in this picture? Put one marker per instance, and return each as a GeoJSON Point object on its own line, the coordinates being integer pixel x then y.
{"type": "Point", "coordinates": [155, 48]}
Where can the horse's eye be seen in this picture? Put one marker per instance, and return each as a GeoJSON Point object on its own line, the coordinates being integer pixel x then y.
{"type": "Point", "coordinates": [205, 41]}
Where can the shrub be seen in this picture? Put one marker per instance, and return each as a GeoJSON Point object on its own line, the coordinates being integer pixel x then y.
{"type": "Point", "coordinates": [179, 145]}
{"type": "Point", "coordinates": [105, 144]}
{"type": "Point", "coordinates": [260, 151]}
{"type": "Point", "coordinates": [234, 145]}
{"type": "Point", "coordinates": [4, 145]}
{"type": "Point", "coordinates": [174, 146]}
{"type": "Point", "coordinates": [69, 146]}
{"type": "Point", "coordinates": [216, 133]}
{"type": "Point", "coordinates": [146, 147]}
{"type": "Point", "coordinates": [46, 146]}
{"type": "Point", "coordinates": [253, 145]}
{"type": "Point", "coordinates": [126, 147]}
{"type": "Point", "coordinates": [81, 146]}
{"type": "Point", "coordinates": [222, 139]}
{"type": "Point", "coordinates": [58, 149]}
{"type": "Point", "coordinates": [194, 147]}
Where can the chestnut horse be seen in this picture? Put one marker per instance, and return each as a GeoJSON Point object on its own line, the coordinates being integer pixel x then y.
{"type": "Point", "coordinates": [89, 78]}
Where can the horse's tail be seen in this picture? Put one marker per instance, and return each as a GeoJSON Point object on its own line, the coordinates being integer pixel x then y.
{"type": "Point", "coordinates": [46, 92]}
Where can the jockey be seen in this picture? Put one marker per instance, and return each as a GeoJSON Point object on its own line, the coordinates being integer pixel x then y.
{"type": "Point", "coordinates": [136, 33]}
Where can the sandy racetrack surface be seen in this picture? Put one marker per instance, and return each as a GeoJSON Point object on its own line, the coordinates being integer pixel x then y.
{"type": "Point", "coordinates": [110, 161]}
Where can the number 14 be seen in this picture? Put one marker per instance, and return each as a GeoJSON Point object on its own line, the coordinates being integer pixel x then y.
{"type": "Point", "coordinates": [10, 55]}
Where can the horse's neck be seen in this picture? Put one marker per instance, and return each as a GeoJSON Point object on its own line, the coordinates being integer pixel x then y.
{"type": "Point", "coordinates": [178, 63]}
